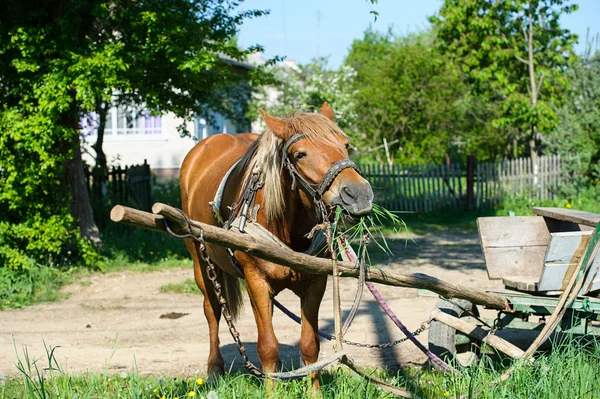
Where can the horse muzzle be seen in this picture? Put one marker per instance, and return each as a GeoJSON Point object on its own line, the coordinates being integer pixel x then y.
{"type": "Point", "coordinates": [355, 198]}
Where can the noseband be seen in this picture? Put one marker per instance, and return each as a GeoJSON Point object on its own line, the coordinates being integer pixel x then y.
{"type": "Point", "coordinates": [316, 191]}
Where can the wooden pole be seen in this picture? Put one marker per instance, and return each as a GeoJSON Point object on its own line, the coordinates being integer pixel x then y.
{"type": "Point", "coordinates": [295, 260]}
{"type": "Point", "coordinates": [478, 333]}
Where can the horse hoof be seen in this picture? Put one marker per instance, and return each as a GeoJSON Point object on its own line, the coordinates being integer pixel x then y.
{"type": "Point", "coordinates": [214, 374]}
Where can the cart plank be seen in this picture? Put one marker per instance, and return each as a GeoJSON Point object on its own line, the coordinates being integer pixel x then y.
{"type": "Point", "coordinates": [513, 247]}
{"type": "Point", "coordinates": [569, 215]}
{"type": "Point", "coordinates": [562, 257]}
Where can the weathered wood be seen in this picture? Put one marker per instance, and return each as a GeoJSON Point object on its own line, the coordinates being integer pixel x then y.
{"type": "Point", "coordinates": [522, 283]}
{"type": "Point", "coordinates": [478, 333]}
{"type": "Point", "coordinates": [296, 260]}
{"type": "Point", "coordinates": [569, 215]}
{"type": "Point", "coordinates": [561, 259]}
{"type": "Point", "coordinates": [513, 246]}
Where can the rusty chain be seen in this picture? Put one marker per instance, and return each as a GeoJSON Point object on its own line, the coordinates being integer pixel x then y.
{"type": "Point", "coordinates": [418, 331]}
{"type": "Point", "coordinates": [212, 275]}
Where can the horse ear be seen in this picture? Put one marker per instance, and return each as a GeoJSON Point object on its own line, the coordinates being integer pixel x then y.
{"type": "Point", "coordinates": [278, 126]}
{"type": "Point", "coordinates": [327, 111]}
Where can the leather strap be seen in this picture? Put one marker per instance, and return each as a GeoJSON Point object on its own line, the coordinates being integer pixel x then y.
{"type": "Point", "coordinates": [316, 191]}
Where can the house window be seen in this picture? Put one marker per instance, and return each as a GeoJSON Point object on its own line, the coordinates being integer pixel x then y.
{"type": "Point", "coordinates": [122, 121]}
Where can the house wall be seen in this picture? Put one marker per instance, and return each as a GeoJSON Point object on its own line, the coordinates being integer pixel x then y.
{"type": "Point", "coordinates": [164, 149]}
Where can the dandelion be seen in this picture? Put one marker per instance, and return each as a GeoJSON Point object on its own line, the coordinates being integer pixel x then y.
{"type": "Point", "coordinates": [191, 394]}
{"type": "Point", "coordinates": [151, 252]}
{"type": "Point", "coordinates": [446, 394]}
{"type": "Point", "coordinates": [199, 381]}
{"type": "Point", "coordinates": [163, 397]}
{"type": "Point", "coordinates": [155, 390]}
{"type": "Point", "coordinates": [568, 206]}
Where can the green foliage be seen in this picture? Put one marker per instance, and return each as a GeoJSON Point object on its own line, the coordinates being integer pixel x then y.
{"type": "Point", "coordinates": [409, 94]}
{"type": "Point", "coordinates": [306, 87]}
{"type": "Point", "coordinates": [578, 129]}
{"type": "Point", "coordinates": [569, 371]}
{"type": "Point", "coordinates": [515, 54]}
{"type": "Point", "coordinates": [58, 60]}
{"type": "Point", "coordinates": [26, 287]}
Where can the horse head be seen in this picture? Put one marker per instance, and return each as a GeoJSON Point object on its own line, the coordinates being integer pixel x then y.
{"type": "Point", "coordinates": [315, 152]}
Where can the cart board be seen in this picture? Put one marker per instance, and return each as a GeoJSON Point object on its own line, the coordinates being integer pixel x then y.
{"type": "Point", "coordinates": [529, 255]}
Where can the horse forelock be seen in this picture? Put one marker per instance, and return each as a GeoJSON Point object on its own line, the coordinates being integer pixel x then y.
{"type": "Point", "coordinates": [265, 156]}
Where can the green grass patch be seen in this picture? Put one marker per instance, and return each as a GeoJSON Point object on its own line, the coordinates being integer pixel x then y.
{"type": "Point", "coordinates": [570, 371]}
{"type": "Point", "coordinates": [188, 287]}
{"type": "Point", "coordinates": [19, 288]}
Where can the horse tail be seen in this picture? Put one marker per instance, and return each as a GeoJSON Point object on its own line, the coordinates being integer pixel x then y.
{"type": "Point", "coordinates": [232, 293]}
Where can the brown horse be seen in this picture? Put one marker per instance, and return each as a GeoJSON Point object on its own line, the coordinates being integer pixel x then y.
{"type": "Point", "coordinates": [316, 145]}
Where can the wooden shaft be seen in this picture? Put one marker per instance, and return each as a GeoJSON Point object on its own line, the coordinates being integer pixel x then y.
{"type": "Point", "coordinates": [299, 261]}
{"type": "Point", "coordinates": [478, 333]}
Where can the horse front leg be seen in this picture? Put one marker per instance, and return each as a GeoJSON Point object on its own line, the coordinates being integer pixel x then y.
{"type": "Point", "coordinates": [312, 295]}
{"type": "Point", "coordinates": [267, 346]}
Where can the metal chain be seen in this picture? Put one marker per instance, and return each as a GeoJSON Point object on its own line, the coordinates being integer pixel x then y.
{"type": "Point", "coordinates": [418, 331]}
{"type": "Point", "coordinates": [212, 275]}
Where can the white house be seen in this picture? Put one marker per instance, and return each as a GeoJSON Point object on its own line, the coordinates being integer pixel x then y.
{"type": "Point", "coordinates": [131, 136]}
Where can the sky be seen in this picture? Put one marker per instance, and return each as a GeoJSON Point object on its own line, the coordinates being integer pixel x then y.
{"type": "Point", "coordinates": [304, 29]}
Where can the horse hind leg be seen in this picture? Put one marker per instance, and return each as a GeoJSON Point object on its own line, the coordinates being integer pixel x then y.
{"type": "Point", "coordinates": [212, 312]}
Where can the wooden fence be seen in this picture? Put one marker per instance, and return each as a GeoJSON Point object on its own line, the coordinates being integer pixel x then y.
{"type": "Point", "coordinates": [130, 185]}
{"type": "Point", "coordinates": [429, 187]}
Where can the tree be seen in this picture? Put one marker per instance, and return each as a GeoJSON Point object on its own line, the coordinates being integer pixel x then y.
{"type": "Point", "coordinates": [515, 53]}
{"type": "Point", "coordinates": [408, 93]}
{"type": "Point", "coordinates": [59, 60]}
{"type": "Point", "coordinates": [578, 126]}
{"type": "Point", "coordinates": [295, 87]}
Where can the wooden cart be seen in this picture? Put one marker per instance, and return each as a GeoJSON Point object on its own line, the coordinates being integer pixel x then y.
{"type": "Point", "coordinates": [535, 257]}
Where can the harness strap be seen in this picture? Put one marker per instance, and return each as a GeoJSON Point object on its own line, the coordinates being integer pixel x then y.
{"type": "Point", "coordinates": [316, 191]}
{"type": "Point", "coordinates": [216, 203]}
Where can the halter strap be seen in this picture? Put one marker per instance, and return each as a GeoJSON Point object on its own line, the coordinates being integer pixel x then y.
{"type": "Point", "coordinates": [316, 191]}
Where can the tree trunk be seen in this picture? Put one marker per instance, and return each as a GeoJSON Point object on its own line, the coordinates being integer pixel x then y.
{"type": "Point", "coordinates": [533, 149]}
{"type": "Point", "coordinates": [102, 110]}
{"type": "Point", "coordinates": [81, 207]}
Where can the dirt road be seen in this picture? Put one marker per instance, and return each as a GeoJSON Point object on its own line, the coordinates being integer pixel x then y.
{"type": "Point", "coordinates": [113, 320]}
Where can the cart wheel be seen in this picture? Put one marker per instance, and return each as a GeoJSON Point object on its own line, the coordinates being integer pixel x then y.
{"type": "Point", "coordinates": [442, 338]}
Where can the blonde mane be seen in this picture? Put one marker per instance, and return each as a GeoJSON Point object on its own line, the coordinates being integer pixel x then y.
{"type": "Point", "coordinates": [265, 155]}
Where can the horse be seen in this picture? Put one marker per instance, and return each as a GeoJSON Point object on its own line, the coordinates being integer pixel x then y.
{"type": "Point", "coordinates": [311, 147]}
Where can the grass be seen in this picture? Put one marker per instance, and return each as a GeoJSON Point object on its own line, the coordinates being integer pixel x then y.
{"type": "Point", "coordinates": [570, 371]}
{"type": "Point", "coordinates": [187, 287]}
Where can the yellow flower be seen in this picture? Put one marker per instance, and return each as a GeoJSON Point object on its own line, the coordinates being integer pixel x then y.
{"type": "Point", "coordinates": [151, 252]}
{"type": "Point", "coordinates": [199, 381]}
{"type": "Point", "coordinates": [446, 394]}
{"type": "Point", "coordinates": [163, 397]}
{"type": "Point", "coordinates": [568, 206]}
{"type": "Point", "coordinates": [190, 394]}
{"type": "Point", "coordinates": [155, 390]}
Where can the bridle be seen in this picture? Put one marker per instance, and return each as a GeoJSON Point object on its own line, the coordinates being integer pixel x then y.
{"type": "Point", "coordinates": [316, 191]}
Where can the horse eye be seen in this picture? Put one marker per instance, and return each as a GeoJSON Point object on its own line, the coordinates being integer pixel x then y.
{"type": "Point", "coordinates": [347, 145]}
{"type": "Point", "coordinates": [299, 155]}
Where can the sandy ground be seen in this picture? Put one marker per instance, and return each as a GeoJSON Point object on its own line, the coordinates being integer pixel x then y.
{"type": "Point", "coordinates": [111, 321]}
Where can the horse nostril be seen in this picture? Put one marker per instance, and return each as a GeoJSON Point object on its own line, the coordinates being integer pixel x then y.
{"type": "Point", "coordinates": [348, 191]}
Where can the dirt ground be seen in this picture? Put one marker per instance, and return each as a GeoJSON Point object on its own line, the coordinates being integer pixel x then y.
{"type": "Point", "coordinates": [111, 321]}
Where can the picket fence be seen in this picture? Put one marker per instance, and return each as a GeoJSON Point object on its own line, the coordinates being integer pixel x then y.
{"type": "Point", "coordinates": [131, 185]}
{"type": "Point", "coordinates": [430, 187]}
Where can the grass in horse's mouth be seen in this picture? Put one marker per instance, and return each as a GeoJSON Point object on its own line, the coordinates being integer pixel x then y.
{"type": "Point", "coordinates": [360, 231]}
